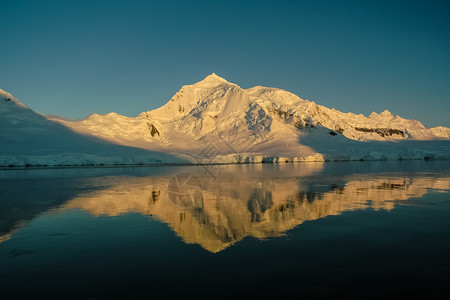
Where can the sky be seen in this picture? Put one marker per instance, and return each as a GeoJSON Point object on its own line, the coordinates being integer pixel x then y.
{"type": "Point", "coordinates": [74, 58]}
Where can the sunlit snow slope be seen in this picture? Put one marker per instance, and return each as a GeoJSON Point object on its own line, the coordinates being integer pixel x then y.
{"type": "Point", "coordinates": [29, 138]}
{"type": "Point", "coordinates": [217, 121]}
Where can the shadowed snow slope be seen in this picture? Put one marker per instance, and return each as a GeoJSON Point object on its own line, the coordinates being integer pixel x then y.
{"type": "Point", "coordinates": [29, 138]}
{"type": "Point", "coordinates": [215, 121]}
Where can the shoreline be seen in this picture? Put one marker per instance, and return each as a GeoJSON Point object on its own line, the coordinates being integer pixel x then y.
{"type": "Point", "coordinates": [102, 165]}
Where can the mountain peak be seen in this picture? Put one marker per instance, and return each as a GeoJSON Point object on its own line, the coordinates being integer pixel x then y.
{"type": "Point", "coordinates": [212, 81]}
{"type": "Point", "coordinates": [386, 113]}
{"type": "Point", "coordinates": [214, 76]}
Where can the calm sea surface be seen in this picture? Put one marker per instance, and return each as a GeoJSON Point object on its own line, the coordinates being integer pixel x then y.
{"type": "Point", "coordinates": [350, 230]}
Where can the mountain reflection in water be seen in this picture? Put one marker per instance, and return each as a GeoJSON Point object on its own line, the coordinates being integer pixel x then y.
{"type": "Point", "coordinates": [375, 229]}
{"type": "Point", "coordinates": [218, 212]}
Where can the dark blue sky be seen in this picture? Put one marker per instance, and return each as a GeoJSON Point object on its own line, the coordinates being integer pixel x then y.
{"type": "Point", "coordinates": [73, 58]}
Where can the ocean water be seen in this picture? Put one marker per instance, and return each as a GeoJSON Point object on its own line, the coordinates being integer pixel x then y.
{"type": "Point", "coordinates": [349, 230]}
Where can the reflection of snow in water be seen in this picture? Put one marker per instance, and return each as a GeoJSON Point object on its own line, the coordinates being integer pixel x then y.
{"type": "Point", "coordinates": [262, 200]}
{"type": "Point", "coordinates": [229, 208]}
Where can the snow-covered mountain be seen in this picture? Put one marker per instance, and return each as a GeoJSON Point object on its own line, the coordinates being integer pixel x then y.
{"type": "Point", "coordinates": [215, 121]}
{"type": "Point", "coordinates": [29, 138]}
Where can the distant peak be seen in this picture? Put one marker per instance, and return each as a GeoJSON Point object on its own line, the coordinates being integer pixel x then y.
{"type": "Point", "coordinates": [386, 113]}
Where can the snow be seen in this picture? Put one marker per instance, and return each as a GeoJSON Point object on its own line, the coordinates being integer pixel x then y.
{"type": "Point", "coordinates": [29, 138]}
{"type": "Point", "coordinates": [215, 121]}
